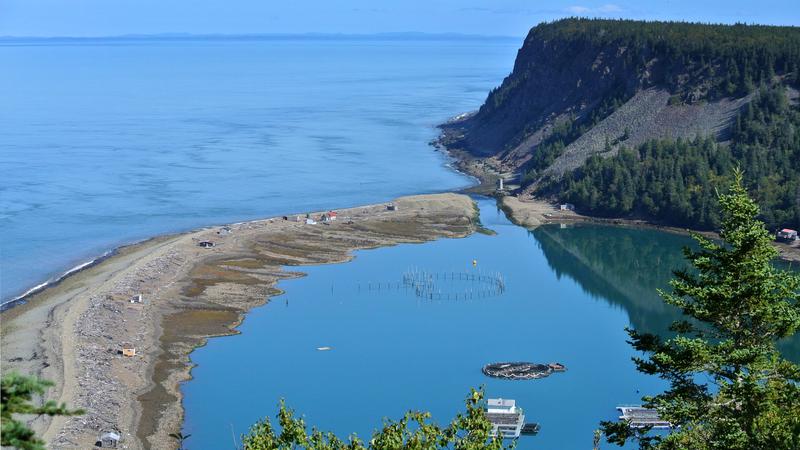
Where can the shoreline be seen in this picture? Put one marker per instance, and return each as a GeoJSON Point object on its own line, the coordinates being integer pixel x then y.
{"type": "Point", "coordinates": [448, 162]}
{"type": "Point", "coordinates": [533, 212]}
{"type": "Point", "coordinates": [53, 281]}
{"type": "Point", "coordinates": [70, 331]}
{"type": "Point", "coordinates": [530, 212]}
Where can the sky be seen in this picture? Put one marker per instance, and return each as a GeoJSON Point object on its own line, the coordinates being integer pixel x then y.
{"type": "Point", "coordinates": [484, 17]}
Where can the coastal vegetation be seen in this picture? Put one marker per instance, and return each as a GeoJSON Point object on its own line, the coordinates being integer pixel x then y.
{"type": "Point", "coordinates": [716, 60]}
{"type": "Point", "coordinates": [646, 120]}
{"type": "Point", "coordinates": [675, 180]}
{"type": "Point", "coordinates": [729, 386]}
{"type": "Point", "coordinates": [470, 430]}
{"type": "Point", "coordinates": [16, 398]}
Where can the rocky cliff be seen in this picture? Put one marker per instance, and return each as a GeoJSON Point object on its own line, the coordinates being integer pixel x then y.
{"type": "Point", "coordinates": [680, 79]}
{"type": "Point", "coordinates": [582, 88]}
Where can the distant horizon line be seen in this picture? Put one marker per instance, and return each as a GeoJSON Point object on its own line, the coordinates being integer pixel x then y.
{"type": "Point", "coordinates": [306, 35]}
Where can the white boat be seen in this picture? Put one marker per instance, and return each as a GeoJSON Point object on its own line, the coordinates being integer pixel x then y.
{"type": "Point", "coordinates": [640, 417]}
{"type": "Point", "coordinates": [507, 420]}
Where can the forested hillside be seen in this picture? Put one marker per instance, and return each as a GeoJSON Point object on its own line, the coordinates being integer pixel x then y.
{"type": "Point", "coordinates": [675, 180]}
{"type": "Point", "coordinates": [646, 119]}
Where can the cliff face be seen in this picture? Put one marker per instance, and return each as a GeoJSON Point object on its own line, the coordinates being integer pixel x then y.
{"type": "Point", "coordinates": [551, 79]}
{"type": "Point", "coordinates": [589, 87]}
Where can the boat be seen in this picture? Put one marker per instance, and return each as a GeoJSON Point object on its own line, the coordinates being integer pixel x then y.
{"type": "Point", "coordinates": [506, 418]}
{"type": "Point", "coordinates": [324, 349]}
{"type": "Point", "coordinates": [641, 417]}
{"type": "Point", "coordinates": [530, 429]}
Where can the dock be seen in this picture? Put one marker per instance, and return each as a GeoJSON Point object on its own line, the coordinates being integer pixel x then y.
{"type": "Point", "coordinates": [530, 429]}
{"type": "Point", "coordinates": [520, 370]}
{"type": "Point", "coordinates": [640, 417]}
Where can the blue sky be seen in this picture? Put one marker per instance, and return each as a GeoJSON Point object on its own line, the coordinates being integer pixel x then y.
{"type": "Point", "coordinates": [491, 17]}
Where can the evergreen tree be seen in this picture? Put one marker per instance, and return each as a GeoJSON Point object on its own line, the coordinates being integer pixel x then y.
{"type": "Point", "coordinates": [15, 398]}
{"type": "Point", "coordinates": [729, 386]}
{"type": "Point", "coordinates": [673, 181]}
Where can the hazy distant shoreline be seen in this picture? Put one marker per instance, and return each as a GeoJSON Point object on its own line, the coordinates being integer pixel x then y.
{"type": "Point", "coordinates": [400, 36]}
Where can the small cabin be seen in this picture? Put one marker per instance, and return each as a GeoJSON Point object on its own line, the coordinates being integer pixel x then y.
{"type": "Point", "coordinates": [206, 244]}
{"type": "Point", "coordinates": [224, 231]}
{"type": "Point", "coordinates": [311, 221]}
{"type": "Point", "coordinates": [108, 440]}
{"type": "Point", "coordinates": [566, 207]}
{"type": "Point", "coordinates": [786, 235]}
{"type": "Point", "coordinates": [391, 207]}
{"type": "Point", "coordinates": [137, 299]}
{"type": "Point", "coordinates": [128, 350]}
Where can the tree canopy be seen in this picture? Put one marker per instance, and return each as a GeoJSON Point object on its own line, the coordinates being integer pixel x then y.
{"type": "Point", "coordinates": [674, 181]}
{"type": "Point", "coordinates": [470, 430]}
{"type": "Point", "coordinates": [729, 387]}
{"type": "Point", "coordinates": [17, 393]}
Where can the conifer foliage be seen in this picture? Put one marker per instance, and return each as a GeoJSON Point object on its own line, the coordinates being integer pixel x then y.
{"type": "Point", "coordinates": [729, 387]}
{"type": "Point", "coordinates": [468, 431]}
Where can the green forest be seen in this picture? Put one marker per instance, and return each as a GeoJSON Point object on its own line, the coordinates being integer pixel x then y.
{"type": "Point", "coordinates": [676, 181]}
{"type": "Point", "coordinates": [695, 61]}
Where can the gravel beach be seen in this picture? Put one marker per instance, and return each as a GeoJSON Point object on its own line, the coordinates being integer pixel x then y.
{"type": "Point", "coordinates": [73, 333]}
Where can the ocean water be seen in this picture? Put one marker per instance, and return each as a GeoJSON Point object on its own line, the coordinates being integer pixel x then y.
{"type": "Point", "coordinates": [106, 142]}
{"type": "Point", "coordinates": [569, 294]}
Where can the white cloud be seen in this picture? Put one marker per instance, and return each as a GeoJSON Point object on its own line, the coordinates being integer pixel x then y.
{"type": "Point", "coordinates": [578, 9]}
{"type": "Point", "coordinates": [608, 8]}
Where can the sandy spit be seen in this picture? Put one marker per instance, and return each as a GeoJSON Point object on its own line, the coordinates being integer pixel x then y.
{"type": "Point", "coordinates": [73, 333]}
{"type": "Point", "coordinates": [532, 212]}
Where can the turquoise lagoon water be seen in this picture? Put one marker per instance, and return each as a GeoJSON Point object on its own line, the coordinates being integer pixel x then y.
{"type": "Point", "coordinates": [570, 292]}
{"type": "Point", "coordinates": [106, 142]}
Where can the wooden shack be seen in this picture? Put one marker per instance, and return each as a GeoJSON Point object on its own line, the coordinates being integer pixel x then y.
{"type": "Point", "coordinates": [108, 440]}
{"type": "Point", "coordinates": [128, 350]}
{"type": "Point", "coordinates": [786, 235]}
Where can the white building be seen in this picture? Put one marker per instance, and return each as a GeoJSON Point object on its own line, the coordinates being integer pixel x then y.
{"type": "Point", "coordinates": [507, 420]}
{"type": "Point", "coordinates": [109, 440]}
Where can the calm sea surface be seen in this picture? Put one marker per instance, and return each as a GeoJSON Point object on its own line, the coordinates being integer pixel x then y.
{"type": "Point", "coordinates": [108, 142]}
{"type": "Point", "coordinates": [570, 292]}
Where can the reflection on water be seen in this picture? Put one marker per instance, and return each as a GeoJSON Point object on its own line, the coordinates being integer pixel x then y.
{"type": "Point", "coordinates": [411, 326]}
{"type": "Point", "coordinates": [623, 266]}
{"type": "Point", "coordinates": [626, 267]}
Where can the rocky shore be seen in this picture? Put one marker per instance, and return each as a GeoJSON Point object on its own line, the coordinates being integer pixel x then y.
{"type": "Point", "coordinates": [527, 210]}
{"type": "Point", "coordinates": [74, 332]}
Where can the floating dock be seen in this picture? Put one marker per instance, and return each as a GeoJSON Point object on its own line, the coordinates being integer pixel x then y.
{"type": "Point", "coordinates": [640, 417]}
{"type": "Point", "coordinates": [520, 370]}
{"type": "Point", "coordinates": [530, 429]}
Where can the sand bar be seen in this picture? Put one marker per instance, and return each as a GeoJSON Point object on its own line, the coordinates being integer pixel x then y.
{"type": "Point", "coordinates": [72, 333]}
